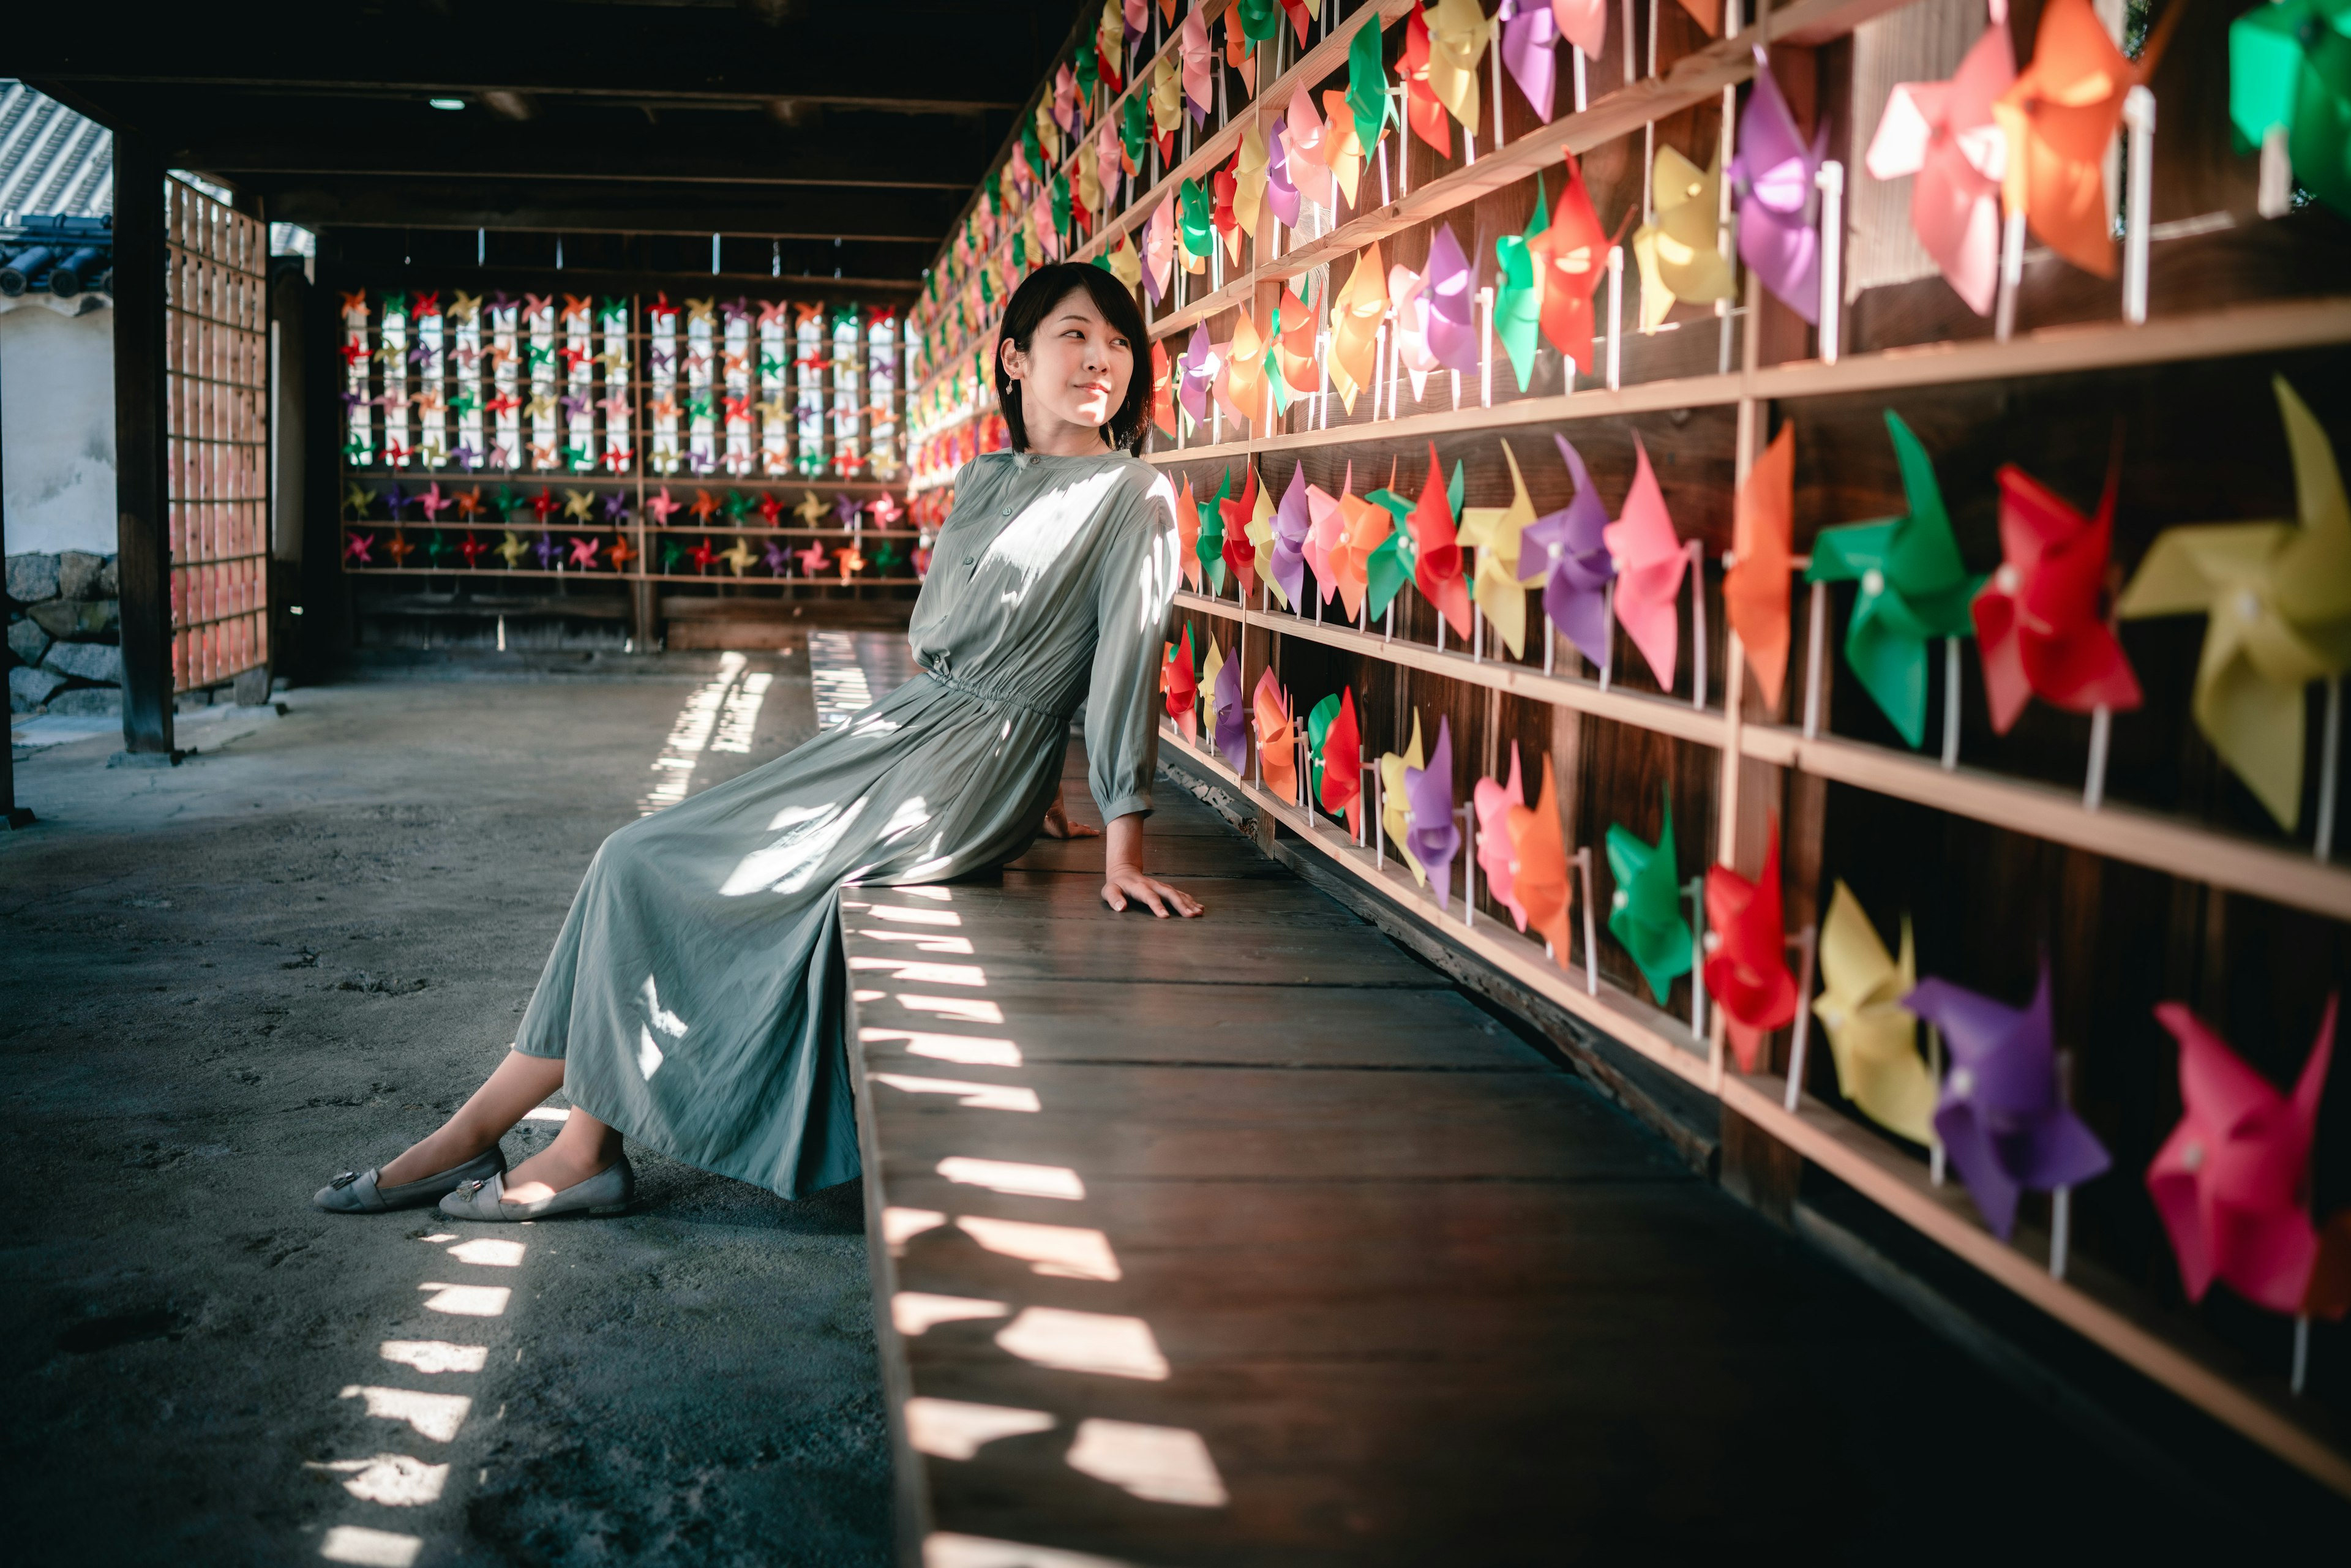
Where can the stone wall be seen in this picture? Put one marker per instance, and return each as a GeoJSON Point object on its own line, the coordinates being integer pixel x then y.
{"type": "Point", "coordinates": [64, 639]}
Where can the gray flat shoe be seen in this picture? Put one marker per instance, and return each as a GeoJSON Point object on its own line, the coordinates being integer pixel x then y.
{"type": "Point", "coordinates": [609, 1191]}
{"type": "Point", "coordinates": [355, 1192]}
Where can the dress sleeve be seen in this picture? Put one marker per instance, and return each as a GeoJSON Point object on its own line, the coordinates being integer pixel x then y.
{"type": "Point", "coordinates": [1131, 597]}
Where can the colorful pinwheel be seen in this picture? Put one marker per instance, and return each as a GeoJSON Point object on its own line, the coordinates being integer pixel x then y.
{"type": "Point", "coordinates": [1747, 968]}
{"type": "Point", "coordinates": [1432, 838]}
{"type": "Point", "coordinates": [1277, 738]}
{"type": "Point", "coordinates": [1650, 563]}
{"type": "Point", "coordinates": [1755, 587]}
{"type": "Point", "coordinates": [1943, 135]}
{"type": "Point", "coordinates": [2038, 622]}
{"type": "Point", "coordinates": [1772, 178]}
{"type": "Point", "coordinates": [1646, 910]}
{"type": "Point", "coordinates": [1436, 552]}
{"type": "Point", "coordinates": [1576, 566]}
{"type": "Point", "coordinates": [1873, 1037]}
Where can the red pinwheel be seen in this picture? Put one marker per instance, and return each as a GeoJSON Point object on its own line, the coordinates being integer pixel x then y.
{"type": "Point", "coordinates": [471, 548]}
{"type": "Point", "coordinates": [2232, 1181]}
{"type": "Point", "coordinates": [356, 547]}
{"type": "Point", "coordinates": [702, 555]}
{"type": "Point", "coordinates": [1240, 551]}
{"type": "Point", "coordinates": [771, 507]}
{"type": "Point", "coordinates": [1436, 557]}
{"type": "Point", "coordinates": [1343, 760]}
{"type": "Point", "coordinates": [1747, 973]}
{"type": "Point", "coordinates": [544, 504]}
{"type": "Point", "coordinates": [354, 353]}
{"type": "Point", "coordinates": [1180, 681]}
{"type": "Point", "coordinates": [2038, 621]}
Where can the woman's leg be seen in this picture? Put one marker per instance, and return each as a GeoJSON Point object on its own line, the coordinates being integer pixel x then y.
{"type": "Point", "coordinates": [520, 1083]}
{"type": "Point", "coordinates": [584, 1148]}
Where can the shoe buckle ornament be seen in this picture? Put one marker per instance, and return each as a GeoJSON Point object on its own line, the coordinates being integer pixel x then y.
{"type": "Point", "coordinates": [345, 1179]}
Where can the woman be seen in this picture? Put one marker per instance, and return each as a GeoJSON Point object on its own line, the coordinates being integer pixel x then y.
{"type": "Point", "coordinates": [695, 999]}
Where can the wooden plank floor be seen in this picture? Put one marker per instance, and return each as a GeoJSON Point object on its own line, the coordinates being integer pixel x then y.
{"type": "Point", "coordinates": [1310, 1261]}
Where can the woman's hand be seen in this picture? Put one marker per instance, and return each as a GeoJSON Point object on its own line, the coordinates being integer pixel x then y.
{"type": "Point", "coordinates": [1123, 876]}
{"type": "Point", "coordinates": [1059, 826]}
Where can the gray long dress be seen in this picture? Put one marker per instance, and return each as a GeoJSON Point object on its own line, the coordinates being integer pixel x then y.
{"type": "Point", "coordinates": [698, 992]}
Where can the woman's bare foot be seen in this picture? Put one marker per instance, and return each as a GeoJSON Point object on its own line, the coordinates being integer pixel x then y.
{"type": "Point", "coordinates": [1059, 826]}
{"type": "Point", "coordinates": [584, 1148]}
{"type": "Point", "coordinates": [519, 1083]}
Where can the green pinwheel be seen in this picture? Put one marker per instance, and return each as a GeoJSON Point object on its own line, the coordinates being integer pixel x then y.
{"type": "Point", "coordinates": [1260, 19]}
{"type": "Point", "coordinates": [1391, 564]}
{"type": "Point", "coordinates": [1062, 203]}
{"type": "Point", "coordinates": [508, 502]}
{"type": "Point", "coordinates": [1134, 132]}
{"type": "Point", "coordinates": [1914, 588]}
{"type": "Point", "coordinates": [1518, 290]}
{"type": "Point", "coordinates": [615, 308]}
{"type": "Point", "coordinates": [1367, 85]}
{"type": "Point", "coordinates": [1194, 218]}
{"type": "Point", "coordinates": [2289, 70]}
{"type": "Point", "coordinates": [1318, 733]}
{"type": "Point", "coordinates": [1645, 912]}
{"type": "Point", "coordinates": [1089, 68]}
{"type": "Point", "coordinates": [739, 506]}
{"type": "Point", "coordinates": [1210, 548]}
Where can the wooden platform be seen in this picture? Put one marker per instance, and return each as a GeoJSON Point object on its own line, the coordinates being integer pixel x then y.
{"type": "Point", "coordinates": [1251, 1239]}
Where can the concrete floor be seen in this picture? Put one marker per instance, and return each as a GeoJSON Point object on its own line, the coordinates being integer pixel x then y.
{"type": "Point", "coordinates": [291, 956]}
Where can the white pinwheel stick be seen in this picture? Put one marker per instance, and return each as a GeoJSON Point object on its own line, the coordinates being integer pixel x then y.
{"type": "Point", "coordinates": [2138, 116]}
{"type": "Point", "coordinates": [1590, 929]}
{"type": "Point", "coordinates": [1831, 180]}
{"type": "Point", "coordinates": [1807, 942]}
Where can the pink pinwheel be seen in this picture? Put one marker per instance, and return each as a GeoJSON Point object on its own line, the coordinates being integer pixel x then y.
{"type": "Point", "coordinates": [1773, 177]}
{"type": "Point", "coordinates": [1329, 531]}
{"type": "Point", "coordinates": [2000, 1116]}
{"type": "Point", "coordinates": [1280, 190]}
{"type": "Point", "coordinates": [814, 558]}
{"type": "Point", "coordinates": [1452, 304]}
{"type": "Point", "coordinates": [2232, 1182]}
{"type": "Point", "coordinates": [1529, 32]}
{"type": "Point", "coordinates": [1159, 249]}
{"type": "Point", "coordinates": [1292, 520]}
{"type": "Point", "coordinates": [1408, 299]}
{"type": "Point", "coordinates": [661, 506]}
{"type": "Point", "coordinates": [1942, 133]}
{"type": "Point", "coordinates": [360, 548]}
{"type": "Point", "coordinates": [1197, 368]}
{"type": "Point", "coordinates": [2038, 624]}
{"type": "Point", "coordinates": [583, 551]}
{"type": "Point", "coordinates": [1574, 540]}
{"type": "Point", "coordinates": [1065, 98]}
{"type": "Point", "coordinates": [1199, 58]}
{"type": "Point", "coordinates": [1231, 737]}
{"type": "Point", "coordinates": [1302, 131]}
{"type": "Point", "coordinates": [1432, 838]}
{"type": "Point", "coordinates": [1134, 19]}
{"type": "Point", "coordinates": [1649, 566]}
{"type": "Point", "coordinates": [1584, 23]}
{"type": "Point", "coordinates": [1495, 852]}
{"type": "Point", "coordinates": [432, 501]}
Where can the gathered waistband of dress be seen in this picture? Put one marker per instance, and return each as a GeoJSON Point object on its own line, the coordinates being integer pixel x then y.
{"type": "Point", "coordinates": [970, 688]}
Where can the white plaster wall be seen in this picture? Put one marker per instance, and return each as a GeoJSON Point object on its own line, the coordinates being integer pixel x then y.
{"type": "Point", "coordinates": [57, 420]}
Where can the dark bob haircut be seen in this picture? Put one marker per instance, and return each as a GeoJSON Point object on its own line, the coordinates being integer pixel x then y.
{"type": "Point", "coordinates": [1026, 311]}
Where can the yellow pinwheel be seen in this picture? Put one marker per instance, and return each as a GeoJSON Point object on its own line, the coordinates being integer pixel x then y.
{"type": "Point", "coordinates": [1209, 669]}
{"type": "Point", "coordinates": [1678, 251]}
{"type": "Point", "coordinates": [1396, 806]}
{"type": "Point", "coordinates": [740, 558]}
{"type": "Point", "coordinates": [810, 510]}
{"type": "Point", "coordinates": [1259, 530]}
{"type": "Point", "coordinates": [2277, 599]}
{"type": "Point", "coordinates": [1459, 31]}
{"type": "Point", "coordinates": [1249, 177]}
{"type": "Point", "coordinates": [1873, 1037]}
{"type": "Point", "coordinates": [580, 503]}
{"type": "Point", "coordinates": [513, 549]}
{"type": "Point", "coordinates": [1498, 588]}
{"type": "Point", "coordinates": [1124, 264]}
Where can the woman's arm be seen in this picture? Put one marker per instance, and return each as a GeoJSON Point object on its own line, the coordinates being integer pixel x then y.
{"type": "Point", "coordinates": [1123, 876]}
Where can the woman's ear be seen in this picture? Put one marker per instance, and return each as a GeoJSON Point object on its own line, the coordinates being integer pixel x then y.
{"type": "Point", "coordinates": [1009, 353]}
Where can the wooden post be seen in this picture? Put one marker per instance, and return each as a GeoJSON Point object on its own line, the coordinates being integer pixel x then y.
{"type": "Point", "coordinates": [11, 814]}
{"type": "Point", "coordinates": [142, 544]}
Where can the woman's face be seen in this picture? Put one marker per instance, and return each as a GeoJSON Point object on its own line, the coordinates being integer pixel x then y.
{"type": "Point", "coordinates": [1074, 377]}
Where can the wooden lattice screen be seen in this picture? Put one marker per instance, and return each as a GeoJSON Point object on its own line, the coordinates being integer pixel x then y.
{"type": "Point", "coordinates": [216, 387]}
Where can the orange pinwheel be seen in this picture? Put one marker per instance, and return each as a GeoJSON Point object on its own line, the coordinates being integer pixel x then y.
{"type": "Point", "coordinates": [1437, 554]}
{"type": "Point", "coordinates": [705, 505]}
{"type": "Point", "coordinates": [1355, 325]}
{"type": "Point", "coordinates": [1240, 551]}
{"type": "Point", "coordinates": [1755, 589]}
{"type": "Point", "coordinates": [1188, 532]}
{"type": "Point", "coordinates": [1365, 528]}
{"type": "Point", "coordinates": [1301, 372]}
{"type": "Point", "coordinates": [1277, 739]}
{"type": "Point", "coordinates": [1748, 973]}
{"type": "Point", "coordinates": [1539, 866]}
{"type": "Point", "coordinates": [2059, 116]}
{"type": "Point", "coordinates": [1240, 378]}
{"type": "Point", "coordinates": [1162, 399]}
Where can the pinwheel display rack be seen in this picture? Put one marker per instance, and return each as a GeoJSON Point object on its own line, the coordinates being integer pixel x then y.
{"type": "Point", "coordinates": [624, 438]}
{"type": "Point", "coordinates": [1645, 232]}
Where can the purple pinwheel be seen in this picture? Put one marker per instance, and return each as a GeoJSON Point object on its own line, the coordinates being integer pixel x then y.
{"type": "Point", "coordinates": [1291, 522]}
{"type": "Point", "coordinates": [1280, 189]}
{"type": "Point", "coordinates": [1452, 304]}
{"type": "Point", "coordinates": [733, 310]}
{"type": "Point", "coordinates": [396, 498]}
{"type": "Point", "coordinates": [548, 551]}
{"type": "Point", "coordinates": [780, 560]}
{"type": "Point", "coordinates": [848, 508]}
{"type": "Point", "coordinates": [1434, 838]}
{"type": "Point", "coordinates": [662, 360]}
{"type": "Point", "coordinates": [2000, 1117]}
{"type": "Point", "coordinates": [1772, 178]}
{"type": "Point", "coordinates": [501, 300]}
{"type": "Point", "coordinates": [574, 403]}
{"type": "Point", "coordinates": [616, 506]}
{"type": "Point", "coordinates": [1529, 35]}
{"type": "Point", "coordinates": [1197, 368]}
{"type": "Point", "coordinates": [1232, 723]}
{"type": "Point", "coordinates": [421, 354]}
{"type": "Point", "coordinates": [1575, 586]}
{"type": "Point", "coordinates": [354, 400]}
{"type": "Point", "coordinates": [464, 456]}
{"type": "Point", "coordinates": [701, 463]}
